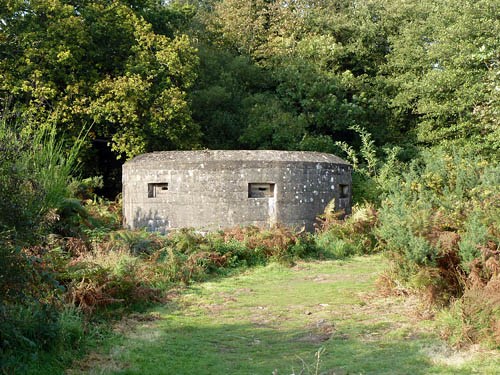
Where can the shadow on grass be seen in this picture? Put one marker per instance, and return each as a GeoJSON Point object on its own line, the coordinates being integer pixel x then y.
{"type": "Point", "coordinates": [164, 348]}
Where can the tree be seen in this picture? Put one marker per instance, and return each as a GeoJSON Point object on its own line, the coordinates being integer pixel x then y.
{"type": "Point", "coordinates": [78, 62]}
{"type": "Point", "coordinates": [220, 98]}
{"type": "Point", "coordinates": [443, 67]}
{"type": "Point", "coordinates": [324, 58]}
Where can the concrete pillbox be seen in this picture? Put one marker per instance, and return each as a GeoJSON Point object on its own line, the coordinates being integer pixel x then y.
{"type": "Point", "coordinates": [215, 189]}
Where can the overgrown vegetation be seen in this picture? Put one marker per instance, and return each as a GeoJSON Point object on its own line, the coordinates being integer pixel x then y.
{"type": "Point", "coordinates": [439, 224]}
{"type": "Point", "coordinates": [34, 176]}
{"type": "Point", "coordinates": [79, 267]}
{"type": "Point", "coordinates": [407, 92]}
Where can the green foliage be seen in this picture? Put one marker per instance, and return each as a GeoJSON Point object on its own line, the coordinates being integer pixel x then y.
{"type": "Point", "coordinates": [35, 164]}
{"type": "Point", "coordinates": [333, 246]}
{"type": "Point", "coordinates": [322, 63]}
{"type": "Point", "coordinates": [441, 214]}
{"type": "Point", "coordinates": [20, 198]}
{"type": "Point", "coordinates": [372, 175]}
{"type": "Point", "coordinates": [473, 318]}
{"type": "Point", "coordinates": [236, 74]}
{"type": "Point", "coordinates": [171, 266]}
{"type": "Point", "coordinates": [278, 243]}
{"type": "Point", "coordinates": [35, 171]}
{"type": "Point", "coordinates": [72, 326]}
{"type": "Point", "coordinates": [223, 94]}
{"type": "Point", "coordinates": [30, 326]}
{"type": "Point", "coordinates": [100, 62]}
{"type": "Point", "coordinates": [34, 176]}
{"type": "Point", "coordinates": [26, 331]}
{"type": "Point", "coordinates": [270, 126]}
{"type": "Point", "coordinates": [106, 215]}
{"type": "Point", "coordinates": [85, 188]}
{"type": "Point", "coordinates": [53, 165]}
{"type": "Point", "coordinates": [139, 242]}
{"type": "Point", "coordinates": [116, 270]}
{"type": "Point", "coordinates": [446, 89]}
{"type": "Point", "coordinates": [390, 68]}
{"type": "Point", "coordinates": [353, 236]}
{"type": "Point", "coordinates": [374, 79]}
{"type": "Point", "coordinates": [475, 234]}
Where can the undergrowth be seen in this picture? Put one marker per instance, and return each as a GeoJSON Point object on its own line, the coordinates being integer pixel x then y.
{"type": "Point", "coordinates": [440, 226]}
{"type": "Point", "coordinates": [89, 269]}
{"type": "Point", "coordinates": [66, 262]}
{"type": "Point", "coordinates": [98, 270]}
{"type": "Point", "coordinates": [352, 235]}
{"type": "Point", "coordinates": [437, 219]}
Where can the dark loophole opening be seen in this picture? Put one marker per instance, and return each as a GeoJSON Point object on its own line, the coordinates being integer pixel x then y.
{"type": "Point", "coordinates": [260, 190]}
{"type": "Point", "coordinates": [157, 189]}
{"type": "Point", "coordinates": [343, 191]}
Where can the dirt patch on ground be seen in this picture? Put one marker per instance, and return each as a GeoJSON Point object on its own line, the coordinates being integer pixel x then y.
{"type": "Point", "coordinates": [409, 306]}
{"type": "Point", "coordinates": [95, 363]}
{"type": "Point", "coordinates": [263, 317]}
{"type": "Point", "coordinates": [318, 332]}
{"type": "Point", "coordinates": [227, 299]}
{"type": "Point", "coordinates": [131, 322]}
{"type": "Point", "coordinates": [443, 354]}
{"type": "Point", "coordinates": [325, 278]}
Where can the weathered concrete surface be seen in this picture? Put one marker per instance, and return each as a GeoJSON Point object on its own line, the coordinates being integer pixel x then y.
{"type": "Point", "coordinates": [219, 189]}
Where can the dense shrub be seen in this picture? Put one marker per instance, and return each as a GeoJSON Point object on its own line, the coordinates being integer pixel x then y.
{"type": "Point", "coordinates": [373, 169]}
{"type": "Point", "coordinates": [353, 236]}
{"type": "Point", "coordinates": [279, 243]}
{"type": "Point", "coordinates": [440, 226]}
{"type": "Point", "coordinates": [442, 206]}
{"type": "Point", "coordinates": [188, 255]}
{"type": "Point", "coordinates": [34, 176]}
{"type": "Point", "coordinates": [20, 193]}
{"type": "Point", "coordinates": [119, 269]}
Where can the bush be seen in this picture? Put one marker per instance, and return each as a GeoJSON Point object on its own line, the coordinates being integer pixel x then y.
{"type": "Point", "coordinates": [372, 175]}
{"type": "Point", "coordinates": [21, 195]}
{"type": "Point", "coordinates": [442, 207]}
{"type": "Point", "coordinates": [279, 243]}
{"type": "Point", "coordinates": [101, 279]}
{"type": "Point", "coordinates": [334, 247]}
{"type": "Point", "coordinates": [440, 226]}
{"type": "Point", "coordinates": [475, 317]}
{"type": "Point", "coordinates": [352, 236]}
{"type": "Point", "coordinates": [34, 177]}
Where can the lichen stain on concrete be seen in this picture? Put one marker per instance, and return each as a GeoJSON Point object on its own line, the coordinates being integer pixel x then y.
{"type": "Point", "coordinates": [210, 189]}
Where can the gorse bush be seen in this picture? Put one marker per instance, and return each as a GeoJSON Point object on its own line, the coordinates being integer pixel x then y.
{"type": "Point", "coordinates": [441, 205]}
{"type": "Point", "coordinates": [439, 224]}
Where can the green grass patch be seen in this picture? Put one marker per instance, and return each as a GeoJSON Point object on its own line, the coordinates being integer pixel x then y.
{"type": "Point", "coordinates": [276, 318]}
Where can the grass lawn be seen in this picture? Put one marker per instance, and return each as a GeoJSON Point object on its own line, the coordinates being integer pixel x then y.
{"type": "Point", "coordinates": [313, 318]}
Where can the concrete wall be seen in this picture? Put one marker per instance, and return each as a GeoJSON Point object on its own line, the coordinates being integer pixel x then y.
{"type": "Point", "coordinates": [213, 192]}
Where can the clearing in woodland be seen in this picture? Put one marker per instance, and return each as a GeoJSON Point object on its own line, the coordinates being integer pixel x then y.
{"type": "Point", "coordinates": [321, 317]}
